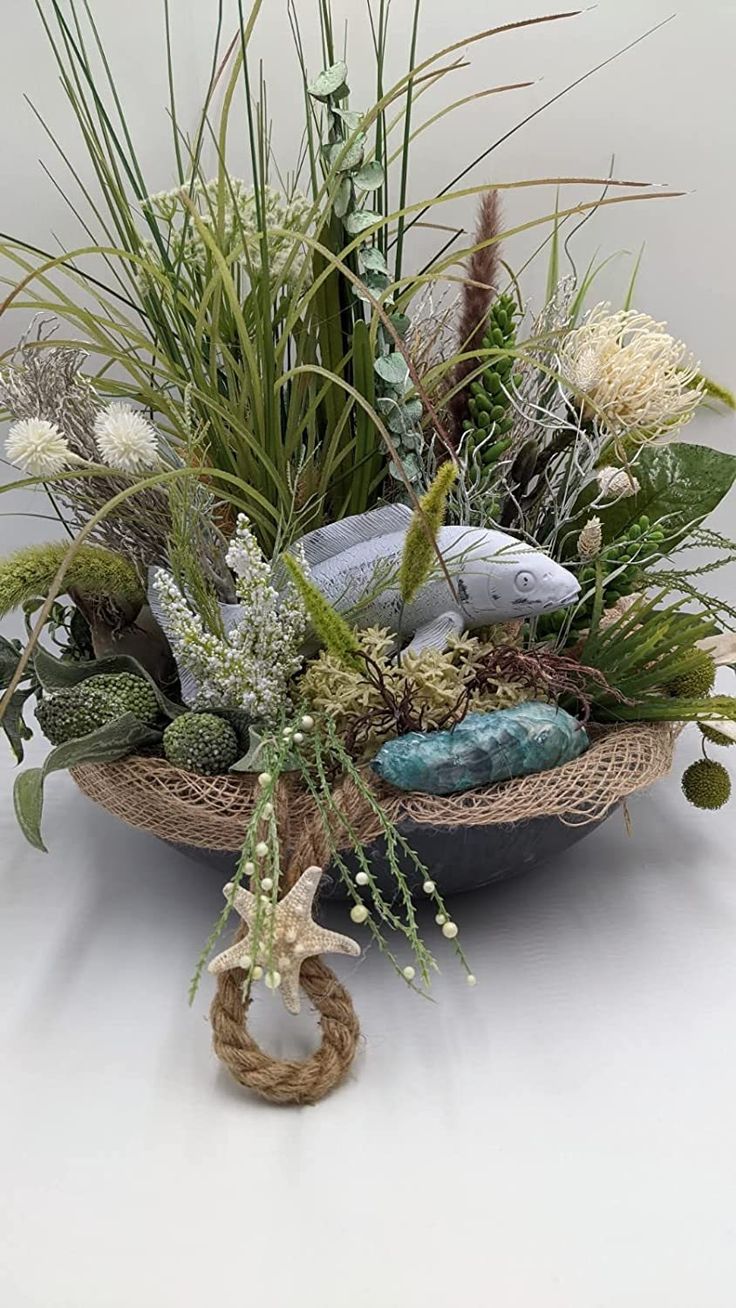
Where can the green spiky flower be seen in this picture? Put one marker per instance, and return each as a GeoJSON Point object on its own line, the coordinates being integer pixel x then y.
{"type": "Point", "coordinates": [706, 784]}
{"type": "Point", "coordinates": [330, 628]}
{"type": "Point", "coordinates": [201, 742]}
{"type": "Point", "coordinates": [419, 547]}
{"type": "Point", "coordinates": [490, 417]}
{"type": "Point", "coordinates": [93, 703]}
{"type": "Point", "coordinates": [698, 680]}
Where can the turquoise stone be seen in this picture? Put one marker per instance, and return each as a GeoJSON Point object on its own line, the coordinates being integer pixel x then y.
{"type": "Point", "coordinates": [482, 749]}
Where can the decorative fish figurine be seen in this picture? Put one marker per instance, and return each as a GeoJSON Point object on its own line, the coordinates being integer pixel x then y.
{"type": "Point", "coordinates": [495, 577]}
{"type": "Point", "coordinates": [482, 749]}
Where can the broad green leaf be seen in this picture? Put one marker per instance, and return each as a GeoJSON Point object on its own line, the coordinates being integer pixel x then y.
{"type": "Point", "coordinates": [393, 369]}
{"type": "Point", "coordinates": [14, 724]}
{"type": "Point", "coordinates": [370, 176]}
{"type": "Point", "coordinates": [108, 743]}
{"type": "Point", "coordinates": [330, 81]}
{"type": "Point", "coordinates": [680, 486]}
{"type": "Point", "coordinates": [361, 220]}
{"type": "Point", "coordinates": [10, 652]}
{"type": "Point", "coordinates": [58, 674]}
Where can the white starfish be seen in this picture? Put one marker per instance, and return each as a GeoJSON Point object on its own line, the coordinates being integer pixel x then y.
{"type": "Point", "coordinates": [287, 935]}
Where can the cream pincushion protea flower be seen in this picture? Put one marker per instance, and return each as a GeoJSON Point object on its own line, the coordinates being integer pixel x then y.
{"type": "Point", "coordinates": [38, 447]}
{"type": "Point", "coordinates": [617, 483]}
{"type": "Point", "coordinates": [631, 375]}
{"type": "Point", "coordinates": [125, 439]}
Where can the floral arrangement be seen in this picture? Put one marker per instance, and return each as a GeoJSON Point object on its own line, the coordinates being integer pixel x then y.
{"type": "Point", "coordinates": [326, 520]}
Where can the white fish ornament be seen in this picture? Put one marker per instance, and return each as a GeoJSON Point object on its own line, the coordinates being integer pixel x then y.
{"type": "Point", "coordinates": [495, 577]}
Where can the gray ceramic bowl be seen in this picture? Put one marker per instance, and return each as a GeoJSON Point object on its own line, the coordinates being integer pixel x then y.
{"type": "Point", "coordinates": [458, 858]}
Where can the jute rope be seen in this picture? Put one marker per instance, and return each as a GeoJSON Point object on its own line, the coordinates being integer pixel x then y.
{"type": "Point", "coordinates": [213, 813]}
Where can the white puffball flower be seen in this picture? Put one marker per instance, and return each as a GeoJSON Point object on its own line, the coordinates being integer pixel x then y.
{"type": "Point", "coordinates": [38, 447]}
{"type": "Point", "coordinates": [125, 439]}
{"type": "Point", "coordinates": [631, 375]}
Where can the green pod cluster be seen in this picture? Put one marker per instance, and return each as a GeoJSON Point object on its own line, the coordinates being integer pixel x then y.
{"type": "Point", "coordinates": [489, 417]}
{"type": "Point", "coordinates": [628, 557]}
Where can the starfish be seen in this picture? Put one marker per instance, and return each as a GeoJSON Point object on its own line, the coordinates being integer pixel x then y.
{"type": "Point", "coordinates": [288, 935]}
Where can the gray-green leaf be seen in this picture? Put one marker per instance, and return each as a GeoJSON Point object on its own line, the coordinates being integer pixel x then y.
{"type": "Point", "coordinates": [370, 259]}
{"type": "Point", "coordinates": [343, 197]}
{"type": "Point", "coordinates": [330, 81]}
{"type": "Point", "coordinates": [14, 724]}
{"type": "Point", "coordinates": [108, 743]}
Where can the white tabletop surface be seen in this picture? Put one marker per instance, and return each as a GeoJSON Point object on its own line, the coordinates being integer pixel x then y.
{"type": "Point", "coordinates": [560, 1137]}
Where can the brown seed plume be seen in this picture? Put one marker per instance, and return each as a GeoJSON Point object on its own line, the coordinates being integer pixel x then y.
{"type": "Point", "coordinates": [478, 293]}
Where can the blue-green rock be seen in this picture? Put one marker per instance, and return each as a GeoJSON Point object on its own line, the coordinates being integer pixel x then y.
{"type": "Point", "coordinates": [482, 749]}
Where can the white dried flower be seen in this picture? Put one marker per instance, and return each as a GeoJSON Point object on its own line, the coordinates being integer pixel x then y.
{"type": "Point", "coordinates": [631, 375]}
{"type": "Point", "coordinates": [249, 668]}
{"type": "Point", "coordinates": [590, 539]}
{"type": "Point", "coordinates": [125, 439]}
{"type": "Point", "coordinates": [38, 447]}
{"type": "Point", "coordinates": [617, 483]}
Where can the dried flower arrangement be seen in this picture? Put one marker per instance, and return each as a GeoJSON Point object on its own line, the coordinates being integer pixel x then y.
{"type": "Point", "coordinates": [326, 561]}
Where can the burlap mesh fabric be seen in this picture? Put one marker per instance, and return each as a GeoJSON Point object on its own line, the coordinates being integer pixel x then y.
{"type": "Point", "coordinates": [213, 812]}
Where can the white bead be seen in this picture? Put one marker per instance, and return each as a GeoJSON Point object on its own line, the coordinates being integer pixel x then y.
{"type": "Point", "coordinates": [287, 733]}
{"type": "Point", "coordinates": [440, 919]}
{"type": "Point", "coordinates": [267, 811]}
{"type": "Point", "coordinates": [471, 980]}
{"type": "Point", "coordinates": [307, 722]}
{"type": "Point", "coordinates": [249, 869]}
{"type": "Point", "coordinates": [449, 930]}
{"type": "Point", "coordinates": [267, 884]}
{"type": "Point", "coordinates": [265, 901]}
{"type": "Point", "coordinates": [257, 973]}
{"type": "Point", "coordinates": [359, 913]}
{"type": "Point", "coordinates": [261, 849]}
{"type": "Point", "coordinates": [429, 887]}
{"type": "Point", "coordinates": [362, 878]}
{"type": "Point", "coordinates": [265, 779]}
{"type": "Point", "coordinates": [273, 980]}
{"type": "Point", "coordinates": [408, 973]}
{"type": "Point", "coordinates": [246, 962]}
{"type": "Point", "coordinates": [298, 738]}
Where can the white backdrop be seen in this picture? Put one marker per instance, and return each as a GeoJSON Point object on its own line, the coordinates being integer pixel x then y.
{"type": "Point", "coordinates": [561, 1136]}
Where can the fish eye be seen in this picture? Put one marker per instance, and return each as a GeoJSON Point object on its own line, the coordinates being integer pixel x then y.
{"type": "Point", "coordinates": [524, 581]}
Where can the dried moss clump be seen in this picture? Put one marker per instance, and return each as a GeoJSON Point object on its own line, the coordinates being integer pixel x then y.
{"type": "Point", "coordinates": [431, 686]}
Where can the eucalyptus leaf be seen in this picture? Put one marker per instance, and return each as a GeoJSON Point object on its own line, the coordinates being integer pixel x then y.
{"type": "Point", "coordinates": [370, 259]}
{"type": "Point", "coordinates": [352, 118]}
{"type": "Point", "coordinates": [105, 745]}
{"type": "Point", "coordinates": [330, 81]}
{"type": "Point", "coordinates": [393, 369]}
{"type": "Point", "coordinates": [370, 176]}
{"type": "Point", "coordinates": [343, 197]}
{"type": "Point", "coordinates": [361, 220]}
{"type": "Point", "coordinates": [345, 157]}
{"type": "Point", "coordinates": [679, 486]}
{"type": "Point", "coordinates": [372, 286]}
{"type": "Point", "coordinates": [59, 674]}
{"type": "Point", "coordinates": [400, 323]}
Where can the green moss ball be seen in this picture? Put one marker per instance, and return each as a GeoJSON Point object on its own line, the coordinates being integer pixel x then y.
{"type": "Point", "coordinates": [201, 742]}
{"type": "Point", "coordinates": [93, 703]}
{"type": "Point", "coordinates": [66, 716]}
{"type": "Point", "coordinates": [706, 784]}
{"type": "Point", "coordinates": [698, 680]}
{"type": "Point", "coordinates": [121, 693]}
{"type": "Point", "coordinates": [715, 736]}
